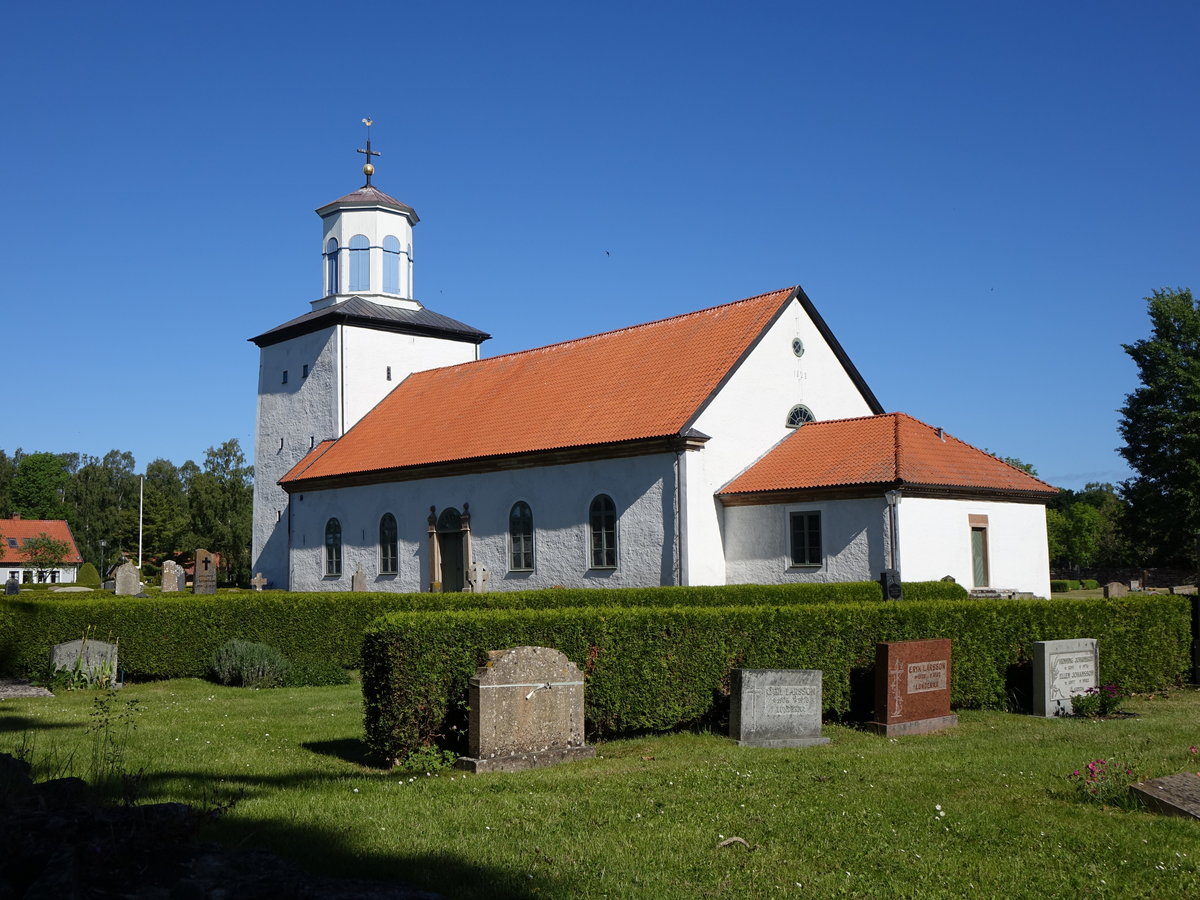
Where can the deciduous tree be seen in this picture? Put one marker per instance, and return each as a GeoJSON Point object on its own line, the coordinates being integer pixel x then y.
{"type": "Point", "coordinates": [44, 553]}
{"type": "Point", "coordinates": [1160, 424]}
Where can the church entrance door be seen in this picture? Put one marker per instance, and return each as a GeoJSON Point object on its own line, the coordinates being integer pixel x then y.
{"type": "Point", "coordinates": [451, 548]}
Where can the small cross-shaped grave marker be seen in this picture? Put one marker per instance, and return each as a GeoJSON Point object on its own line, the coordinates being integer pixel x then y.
{"type": "Point", "coordinates": [258, 580]}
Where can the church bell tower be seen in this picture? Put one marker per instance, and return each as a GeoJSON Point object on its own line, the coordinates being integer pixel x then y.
{"type": "Point", "coordinates": [321, 372]}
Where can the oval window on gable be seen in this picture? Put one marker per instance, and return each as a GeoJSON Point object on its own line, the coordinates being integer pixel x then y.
{"type": "Point", "coordinates": [798, 415]}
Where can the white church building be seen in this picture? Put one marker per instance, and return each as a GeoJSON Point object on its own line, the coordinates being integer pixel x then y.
{"type": "Point", "coordinates": [734, 444]}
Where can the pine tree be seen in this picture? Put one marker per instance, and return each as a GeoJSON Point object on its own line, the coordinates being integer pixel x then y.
{"type": "Point", "coordinates": [1160, 424]}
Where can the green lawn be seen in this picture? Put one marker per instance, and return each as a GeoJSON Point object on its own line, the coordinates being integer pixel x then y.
{"type": "Point", "coordinates": [857, 817]}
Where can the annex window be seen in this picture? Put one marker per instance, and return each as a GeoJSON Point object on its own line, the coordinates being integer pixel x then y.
{"type": "Point", "coordinates": [304, 371]}
{"type": "Point", "coordinates": [389, 554]}
{"type": "Point", "coordinates": [798, 415]}
{"type": "Point", "coordinates": [284, 376]}
{"type": "Point", "coordinates": [520, 536]}
{"type": "Point", "coordinates": [333, 547]}
{"type": "Point", "coordinates": [602, 525]}
{"type": "Point", "coordinates": [360, 263]}
{"type": "Point", "coordinates": [805, 532]}
{"type": "Point", "coordinates": [980, 574]}
{"type": "Point", "coordinates": [391, 265]}
{"type": "Point", "coordinates": [331, 266]}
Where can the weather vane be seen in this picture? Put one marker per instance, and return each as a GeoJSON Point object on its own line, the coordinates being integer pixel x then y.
{"type": "Point", "coordinates": [368, 169]}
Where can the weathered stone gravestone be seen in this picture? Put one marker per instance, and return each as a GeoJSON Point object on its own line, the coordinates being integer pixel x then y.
{"type": "Point", "coordinates": [259, 581]}
{"type": "Point", "coordinates": [358, 581]}
{"type": "Point", "coordinates": [204, 581]}
{"type": "Point", "coordinates": [127, 583]}
{"type": "Point", "coordinates": [12, 586]}
{"type": "Point", "coordinates": [526, 711]}
{"type": "Point", "coordinates": [1174, 795]}
{"type": "Point", "coordinates": [1116, 589]}
{"type": "Point", "coordinates": [1183, 589]}
{"type": "Point", "coordinates": [477, 578]}
{"type": "Point", "coordinates": [173, 577]}
{"type": "Point", "coordinates": [95, 660]}
{"type": "Point", "coordinates": [1061, 670]}
{"type": "Point", "coordinates": [912, 687]}
{"type": "Point", "coordinates": [776, 708]}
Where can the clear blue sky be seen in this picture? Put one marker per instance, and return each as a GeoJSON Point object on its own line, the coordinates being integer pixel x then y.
{"type": "Point", "coordinates": [976, 196]}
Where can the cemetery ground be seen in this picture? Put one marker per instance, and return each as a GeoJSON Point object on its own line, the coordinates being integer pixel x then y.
{"type": "Point", "coordinates": [985, 808]}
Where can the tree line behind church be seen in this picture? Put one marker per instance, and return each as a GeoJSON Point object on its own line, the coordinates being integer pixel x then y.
{"type": "Point", "coordinates": [185, 507]}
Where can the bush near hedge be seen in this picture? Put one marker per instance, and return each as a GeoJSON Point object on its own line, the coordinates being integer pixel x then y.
{"type": "Point", "coordinates": [658, 669]}
{"type": "Point", "coordinates": [173, 635]}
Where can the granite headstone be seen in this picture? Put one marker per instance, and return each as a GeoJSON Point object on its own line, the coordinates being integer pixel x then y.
{"type": "Point", "coordinates": [1116, 589]}
{"type": "Point", "coordinates": [173, 577]}
{"type": "Point", "coordinates": [912, 687]}
{"type": "Point", "coordinates": [526, 711]}
{"type": "Point", "coordinates": [1061, 670]}
{"type": "Point", "coordinates": [1174, 795]}
{"type": "Point", "coordinates": [204, 581]}
{"type": "Point", "coordinates": [12, 586]}
{"type": "Point", "coordinates": [95, 659]}
{"type": "Point", "coordinates": [776, 708]}
{"type": "Point", "coordinates": [358, 581]}
{"type": "Point", "coordinates": [127, 583]}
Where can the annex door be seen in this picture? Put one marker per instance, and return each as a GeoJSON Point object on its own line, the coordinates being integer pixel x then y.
{"type": "Point", "coordinates": [452, 547]}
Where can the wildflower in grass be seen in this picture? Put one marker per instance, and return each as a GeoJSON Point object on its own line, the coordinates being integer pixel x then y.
{"type": "Point", "coordinates": [1104, 781]}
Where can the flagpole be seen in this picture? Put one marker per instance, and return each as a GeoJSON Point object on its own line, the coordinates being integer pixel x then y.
{"type": "Point", "coordinates": [141, 501]}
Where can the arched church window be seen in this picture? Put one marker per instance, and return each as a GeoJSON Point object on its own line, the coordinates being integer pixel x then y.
{"type": "Point", "coordinates": [360, 263]}
{"type": "Point", "coordinates": [331, 266]}
{"type": "Point", "coordinates": [520, 536]}
{"type": "Point", "coordinates": [388, 546]}
{"type": "Point", "coordinates": [798, 415]}
{"type": "Point", "coordinates": [333, 547]}
{"type": "Point", "coordinates": [391, 265]}
{"type": "Point", "coordinates": [602, 525]}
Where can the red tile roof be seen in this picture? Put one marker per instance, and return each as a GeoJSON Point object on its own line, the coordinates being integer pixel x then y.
{"type": "Point", "coordinates": [20, 530]}
{"type": "Point", "coordinates": [892, 449]}
{"type": "Point", "coordinates": [646, 381]}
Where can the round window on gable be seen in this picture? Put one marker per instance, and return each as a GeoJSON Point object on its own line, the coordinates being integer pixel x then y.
{"type": "Point", "coordinates": [798, 346]}
{"type": "Point", "coordinates": [798, 415]}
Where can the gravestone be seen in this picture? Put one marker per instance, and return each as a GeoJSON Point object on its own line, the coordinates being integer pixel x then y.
{"type": "Point", "coordinates": [1116, 589]}
{"type": "Point", "coordinates": [526, 711]}
{"type": "Point", "coordinates": [259, 581]}
{"type": "Point", "coordinates": [776, 708]}
{"type": "Point", "coordinates": [1061, 670]}
{"type": "Point", "coordinates": [204, 580]}
{"type": "Point", "coordinates": [95, 659]}
{"type": "Point", "coordinates": [12, 586]}
{"type": "Point", "coordinates": [477, 578]}
{"type": "Point", "coordinates": [173, 577]}
{"type": "Point", "coordinates": [1134, 584]}
{"type": "Point", "coordinates": [1174, 795]}
{"type": "Point", "coordinates": [127, 582]}
{"type": "Point", "coordinates": [912, 687]}
{"type": "Point", "coordinates": [1183, 589]}
{"type": "Point", "coordinates": [358, 581]}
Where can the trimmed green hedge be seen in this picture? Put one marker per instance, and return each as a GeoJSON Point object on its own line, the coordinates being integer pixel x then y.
{"type": "Point", "coordinates": [658, 669]}
{"type": "Point", "coordinates": [172, 635]}
{"type": "Point", "coordinates": [1060, 585]}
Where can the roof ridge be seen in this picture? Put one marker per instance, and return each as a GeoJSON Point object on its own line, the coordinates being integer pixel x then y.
{"type": "Point", "coordinates": [627, 328]}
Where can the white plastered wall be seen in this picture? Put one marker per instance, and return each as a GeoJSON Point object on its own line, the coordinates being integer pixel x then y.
{"type": "Point", "coordinates": [935, 540]}
{"type": "Point", "coordinates": [641, 487]}
{"type": "Point", "coordinates": [747, 418]}
{"type": "Point", "coordinates": [853, 542]}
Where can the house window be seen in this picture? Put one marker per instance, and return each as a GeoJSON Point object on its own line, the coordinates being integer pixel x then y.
{"type": "Point", "coordinates": [602, 522]}
{"type": "Point", "coordinates": [360, 263]}
{"type": "Point", "coordinates": [520, 536]}
{"type": "Point", "coordinates": [979, 556]}
{"type": "Point", "coordinates": [331, 266]}
{"type": "Point", "coordinates": [333, 547]}
{"type": "Point", "coordinates": [388, 550]}
{"type": "Point", "coordinates": [391, 265]}
{"type": "Point", "coordinates": [805, 538]}
{"type": "Point", "coordinates": [798, 415]}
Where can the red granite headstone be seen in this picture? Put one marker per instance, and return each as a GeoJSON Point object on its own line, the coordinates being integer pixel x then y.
{"type": "Point", "coordinates": [912, 687]}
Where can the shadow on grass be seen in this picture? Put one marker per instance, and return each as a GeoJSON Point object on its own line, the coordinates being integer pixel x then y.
{"type": "Point", "coordinates": [332, 851]}
{"type": "Point", "coordinates": [10, 723]}
{"type": "Point", "coordinates": [351, 750]}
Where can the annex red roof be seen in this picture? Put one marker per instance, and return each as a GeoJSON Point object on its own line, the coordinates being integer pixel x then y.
{"type": "Point", "coordinates": [892, 449]}
{"type": "Point", "coordinates": [20, 530]}
{"type": "Point", "coordinates": [646, 381]}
